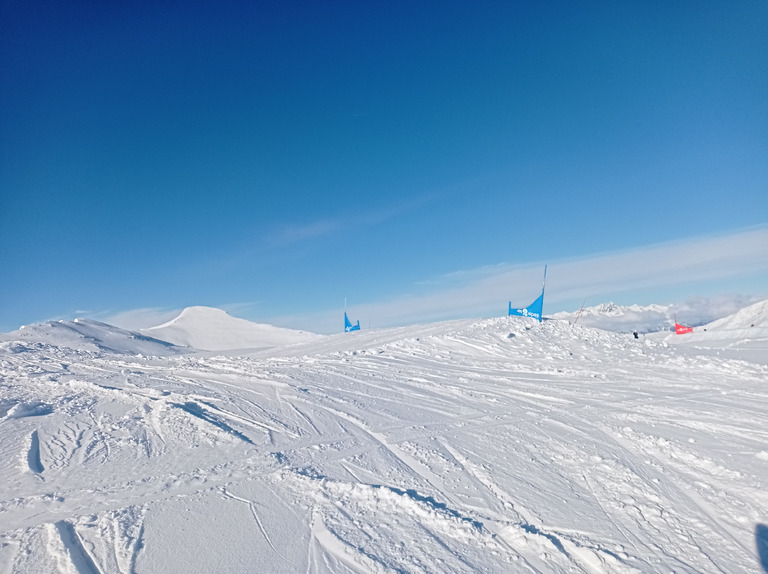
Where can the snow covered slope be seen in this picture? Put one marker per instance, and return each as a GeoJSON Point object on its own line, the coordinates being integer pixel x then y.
{"type": "Point", "coordinates": [742, 335]}
{"type": "Point", "coordinates": [212, 329]}
{"type": "Point", "coordinates": [753, 316]}
{"type": "Point", "coordinates": [93, 336]}
{"type": "Point", "coordinates": [502, 445]}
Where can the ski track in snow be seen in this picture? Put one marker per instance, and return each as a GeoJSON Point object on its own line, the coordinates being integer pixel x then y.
{"type": "Point", "coordinates": [76, 552]}
{"type": "Point", "coordinates": [500, 445]}
{"type": "Point", "coordinates": [33, 456]}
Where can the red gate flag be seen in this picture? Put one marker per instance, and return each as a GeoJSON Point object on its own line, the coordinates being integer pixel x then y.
{"type": "Point", "coordinates": [680, 329]}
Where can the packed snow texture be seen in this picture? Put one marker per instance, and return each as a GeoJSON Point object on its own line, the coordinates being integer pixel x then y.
{"type": "Point", "coordinates": [498, 445]}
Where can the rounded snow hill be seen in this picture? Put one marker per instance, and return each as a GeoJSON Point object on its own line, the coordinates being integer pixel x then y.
{"type": "Point", "coordinates": [753, 316]}
{"type": "Point", "coordinates": [210, 329]}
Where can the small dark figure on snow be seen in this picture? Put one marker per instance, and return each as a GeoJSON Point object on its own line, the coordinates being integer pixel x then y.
{"type": "Point", "coordinates": [634, 333]}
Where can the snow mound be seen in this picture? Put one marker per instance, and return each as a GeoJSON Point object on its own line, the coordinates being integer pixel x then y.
{"type": "Point", "coordinates": [753, 316]}
{"type": "Point", "coordinates": [210, 329]}
{"type": "Point", "coordinates": [89, 335]}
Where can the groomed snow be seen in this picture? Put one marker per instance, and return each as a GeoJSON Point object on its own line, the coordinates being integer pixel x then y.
{"type": "Point", "coordinates": [498, 445]}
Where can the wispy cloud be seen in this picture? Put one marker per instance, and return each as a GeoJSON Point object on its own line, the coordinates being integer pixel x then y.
{"type": "Point", "coordinates": [295, 233]}
{"type": "Point", "coordinates": [699, 310]}
{"type": "Point", "coordinates": [700, 263]}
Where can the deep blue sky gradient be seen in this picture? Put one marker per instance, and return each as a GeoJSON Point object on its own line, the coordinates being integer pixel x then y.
{"type": "Point", "coordinates": [285, 155]}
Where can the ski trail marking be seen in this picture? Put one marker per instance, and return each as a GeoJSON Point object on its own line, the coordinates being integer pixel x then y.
{"type": "Point", "coordinates": [137, 546]}
{"type": "Point", "coordinates": [586, 558]}
{"type": "Point", "coordinates": [338, 549]}
{"type": "Point", "coordinates": [196, 410]}
{"type": "Point", "coordinates": [410, 462]}
{"type": "Point", "coordinates": [608, 515]}
{"type": "Point", "coordinates": [253, 423]}
{"type": "Point", "coordinates": [250, 504]}
{"type": "Point", "coordinates": [306, 418]}
{"type": "Point", "coordinates": [79, 556]}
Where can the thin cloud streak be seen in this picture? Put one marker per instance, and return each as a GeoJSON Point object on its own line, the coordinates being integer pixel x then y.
{"type": "Point", "coordinates": [291, 233]}
{"type": "Point", "coordinates": [700, 259]}
{"type": "Point", "coordinates": [295, 233]}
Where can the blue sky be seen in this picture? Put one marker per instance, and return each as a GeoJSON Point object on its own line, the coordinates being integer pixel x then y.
{"type": "Point", "coordinates": [273, 158]}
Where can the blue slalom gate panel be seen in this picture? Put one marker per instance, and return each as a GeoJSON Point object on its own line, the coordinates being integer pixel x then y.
{"type": "Point", "coordinates": [535, 309]}
{"type": "Point", "coordinates": [532, 310]}
{"type": "Point", "coordinates": [348, 326]}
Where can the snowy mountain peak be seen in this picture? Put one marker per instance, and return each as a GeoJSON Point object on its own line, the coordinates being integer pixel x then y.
{"type": "Point", "coordinates": [199, 314]}
{"type": "Point", "coordinates": [211, 329]}
{"type": "Point", "coordinates": [620, 310]}
{"type": "Point", "coordinates": [607, 308]}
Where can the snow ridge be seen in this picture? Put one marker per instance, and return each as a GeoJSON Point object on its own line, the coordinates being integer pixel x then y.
{"type": "Point", "coordinates": [753, 316]}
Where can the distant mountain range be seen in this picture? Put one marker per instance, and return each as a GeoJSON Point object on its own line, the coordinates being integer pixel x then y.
{"type": "Point", "coordinates": [653, 318]}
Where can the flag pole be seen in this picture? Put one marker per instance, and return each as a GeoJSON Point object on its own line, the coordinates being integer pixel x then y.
{"type": "Point", "coordinates": [543, 285]}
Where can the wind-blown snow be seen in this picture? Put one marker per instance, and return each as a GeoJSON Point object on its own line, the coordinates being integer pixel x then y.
{"type": "Point", "coordinates": [212, 329]}
{"type": "Point", "coordinates": [499, 445]}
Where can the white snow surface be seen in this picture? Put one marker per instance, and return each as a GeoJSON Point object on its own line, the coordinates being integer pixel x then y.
{"type": "Point", "coordinates": [211, 329]}
{"type": "Point", "coordinates": [498, 445]}
{"type": "Point", "coordinates": [92, 336]}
